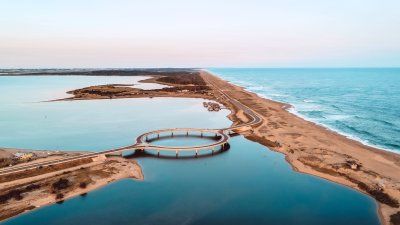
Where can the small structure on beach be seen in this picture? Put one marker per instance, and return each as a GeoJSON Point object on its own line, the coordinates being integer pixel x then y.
{"type": "Point", "coordinates": [24, 155]}
{"type": "Point", "coordinates": [212, 106]}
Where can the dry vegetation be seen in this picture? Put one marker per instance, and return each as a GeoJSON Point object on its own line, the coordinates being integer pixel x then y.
{"type": "Point", "coordinates": [182, 79]}
{"type": "Point", "coordinates": [180, 85]}
{"type": "Point", "coordinates": [42, 170]}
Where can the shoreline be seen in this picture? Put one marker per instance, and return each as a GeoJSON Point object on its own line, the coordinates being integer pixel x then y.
{"type": "Point", "coordinates": [341, 177]}
{"type": "Point", "coordinates": [327, 127]}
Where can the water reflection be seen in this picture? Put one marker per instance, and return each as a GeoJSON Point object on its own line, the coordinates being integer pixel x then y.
{"type": "Point", "coordinates": [203, 154]}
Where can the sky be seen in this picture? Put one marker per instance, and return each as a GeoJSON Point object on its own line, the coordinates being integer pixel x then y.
{"type": "Point", "coordinates": [203, 33]}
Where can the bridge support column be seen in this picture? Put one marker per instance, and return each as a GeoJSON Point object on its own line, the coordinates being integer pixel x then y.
{"type": "Point", "coordinates": [177, 153]}
{"type": "Point", "coordinates": [147, 138]}
{"type": "Point", "coordinates": [158, 136]}
{"type": "Point", "coordinates": [187, 133]}
{"type": "Point", "coordinates": [201, 134]}
{"type": "Point", "coordinates": [212, 151]}
{"type": "Point", "coordinates": [158, 153]}
{"type": "Point", "coordinates": [196, 153]}
{"type": "Point", "coordinates": [172, 134]}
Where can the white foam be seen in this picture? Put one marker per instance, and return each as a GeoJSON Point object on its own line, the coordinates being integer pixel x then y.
{"type": "Point", "coordinates": [337, 117]}
{"type": "Point", "coordinates": [256, 88]}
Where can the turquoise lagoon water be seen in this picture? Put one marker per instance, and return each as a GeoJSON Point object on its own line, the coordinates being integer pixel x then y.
{"type": "Point", "coordinates": [363, 104]}
{"type": "Point", "coordinates": [27, 122]}
{"type": "Point", "coordinates": [246, 184]}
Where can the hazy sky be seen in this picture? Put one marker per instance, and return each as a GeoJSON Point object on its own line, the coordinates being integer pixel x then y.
{"type": "Point", "coordinates": [204, 33]}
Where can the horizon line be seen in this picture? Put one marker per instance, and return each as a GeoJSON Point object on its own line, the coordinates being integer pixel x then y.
{"type": "Point", "coordinates": [222, 67]}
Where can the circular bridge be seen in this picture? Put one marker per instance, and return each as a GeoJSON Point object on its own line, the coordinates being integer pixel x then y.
{"type": "Point", "coordinates": [143, 141]}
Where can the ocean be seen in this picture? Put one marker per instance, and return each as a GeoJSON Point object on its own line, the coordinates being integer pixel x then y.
{"type": "Point", "coordinates": [360, 103]}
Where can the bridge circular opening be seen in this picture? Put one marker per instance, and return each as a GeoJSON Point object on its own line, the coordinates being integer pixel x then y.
{"type": "Point", "coordinates": [182, 139]}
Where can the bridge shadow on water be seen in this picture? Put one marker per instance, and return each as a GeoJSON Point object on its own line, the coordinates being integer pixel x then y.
{"type": "Point", "coordinates": [202, 154]}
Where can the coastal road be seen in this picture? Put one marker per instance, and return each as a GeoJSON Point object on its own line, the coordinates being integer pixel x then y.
{"type": "Point", "coordinates": [255, 118]}
{"type": "Point", "coordinates": [13, 169]}
{"type": "Point", "coordinates": [141, 142]}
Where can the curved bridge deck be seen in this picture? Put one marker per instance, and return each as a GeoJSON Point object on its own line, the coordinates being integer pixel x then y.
{"type": "Point", "coordinates": [142, 140]}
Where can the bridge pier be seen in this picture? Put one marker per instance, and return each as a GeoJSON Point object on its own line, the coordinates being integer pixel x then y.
{"type": "Point", "coordinates": [177, 153]}
{"type": "Point", "coordinates": [212, 151]}
{"type": "Point", "coordinates": [172, 134]}
{"type": "Point", "coordinates": [147, 138]}
{"type": "Point", "coordinates": [201, 134]}
{"type": "Point", "coordinates": [158, 153]}
{"type": "Point", "coordinates": [158, 135]}
{"type": "Point", "coordinates": [187, 133]}
{"type": "Point", "coordinates": [196, 153]}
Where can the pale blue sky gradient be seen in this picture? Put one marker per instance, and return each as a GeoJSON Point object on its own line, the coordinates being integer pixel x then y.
{"type": "Point", "coordinates": [207, 33]}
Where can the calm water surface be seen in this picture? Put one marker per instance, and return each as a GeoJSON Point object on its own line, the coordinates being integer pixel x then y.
{"type": "Point", "coordinates": [247, 184]}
